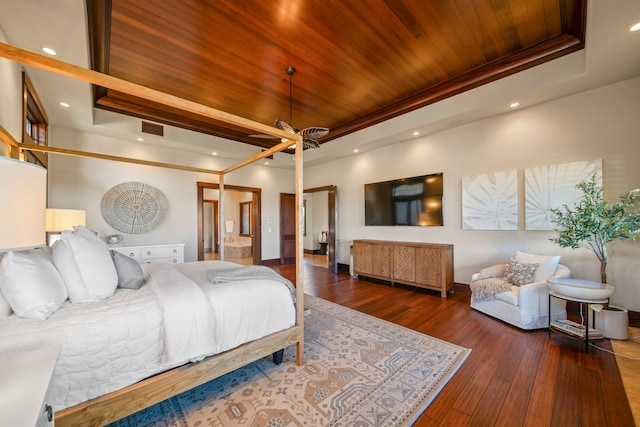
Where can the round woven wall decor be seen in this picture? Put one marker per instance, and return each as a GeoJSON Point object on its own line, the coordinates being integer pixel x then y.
{"type": "Point", "coordinates": [134, 207]}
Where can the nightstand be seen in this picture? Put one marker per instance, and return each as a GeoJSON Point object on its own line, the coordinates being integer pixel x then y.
{"type": "Point", "coordinates": [24, 386]}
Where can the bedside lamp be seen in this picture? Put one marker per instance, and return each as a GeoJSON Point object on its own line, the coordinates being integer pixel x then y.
{"type": "Point", "coordinates": [58, 220]}
{"type": "Point", "coordinates": [23, 195]}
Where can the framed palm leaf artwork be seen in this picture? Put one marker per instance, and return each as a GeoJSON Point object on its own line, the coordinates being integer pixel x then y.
{"type": "Point", "coordinates": [549, 187]}
{"type": "Point", "coordinates": [490, 201]}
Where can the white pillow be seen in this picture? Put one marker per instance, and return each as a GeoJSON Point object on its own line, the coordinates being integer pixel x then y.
{"type": "Point", "coordinates": [5, 308]}
{"type": "Point", "coordinates": [31, 284]}
{"type": "Point", "coordinates": [85, 263]}
{"type": "Point", "coordinates": [546, 264]}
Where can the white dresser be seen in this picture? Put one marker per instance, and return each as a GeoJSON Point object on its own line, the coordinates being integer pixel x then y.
{"type": "Point", "coordinates": [173, 253]}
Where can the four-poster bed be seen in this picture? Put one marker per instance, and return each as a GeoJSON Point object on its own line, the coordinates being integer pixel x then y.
{"type": "Point", "coordinates": [118, 404]}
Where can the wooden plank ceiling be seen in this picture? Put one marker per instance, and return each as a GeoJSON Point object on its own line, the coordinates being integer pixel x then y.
{"type": "Point", "coordinates": [358, 62]}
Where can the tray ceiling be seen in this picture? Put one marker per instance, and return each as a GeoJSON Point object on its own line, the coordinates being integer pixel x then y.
{"type": "Point", "coordinates": [358, 63]}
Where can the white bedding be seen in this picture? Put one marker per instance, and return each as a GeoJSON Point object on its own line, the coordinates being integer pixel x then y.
{"type": "Point", "coordinates": [111, 344]}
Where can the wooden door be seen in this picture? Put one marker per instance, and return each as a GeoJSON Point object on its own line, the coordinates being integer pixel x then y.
{"type": "Point", "coordinates": [287, 228]}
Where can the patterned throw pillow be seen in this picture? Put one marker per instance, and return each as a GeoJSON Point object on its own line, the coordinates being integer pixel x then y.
{"type": "Point", "coordinates": [518, 273]}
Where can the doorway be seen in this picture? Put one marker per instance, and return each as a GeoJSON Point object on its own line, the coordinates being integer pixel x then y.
{"type": "Point", "coordinates": [326, 235]}
{"type": "Point", "coordinates": [242, 219]}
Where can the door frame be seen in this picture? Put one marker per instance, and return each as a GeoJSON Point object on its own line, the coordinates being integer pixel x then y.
{"type": "Point", "coordinates": [256, 217]}
{"type": "Point", "coordinates": [333, 222]}
{"type": "Point", "coordinates": [214, 244]}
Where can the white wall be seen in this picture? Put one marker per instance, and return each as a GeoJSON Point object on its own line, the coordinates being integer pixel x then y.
{"type": "Point", "coordinates": [602, 123]}
{"type": "Point", "coordinates": [80, 183]}
{"type": "Point", "coordinates": [11, 97]}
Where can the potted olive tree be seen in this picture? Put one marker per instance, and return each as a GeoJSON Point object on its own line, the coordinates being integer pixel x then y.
{"type": "Point", "coordinates": [593, 223]}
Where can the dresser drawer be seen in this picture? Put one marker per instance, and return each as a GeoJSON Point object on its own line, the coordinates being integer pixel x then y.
{"type": "Point", "coordinates": [172, 253]}
{"type": "Point", "coordinates": [168, 260]}
{"type": "Point", "coordinates": [151, 252]}
{"type": "Point", "coordinates": [132, 252]}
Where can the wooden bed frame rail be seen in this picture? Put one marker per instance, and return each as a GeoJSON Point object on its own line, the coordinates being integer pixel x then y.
{"type": "Point", "coordinates": [119, 404]}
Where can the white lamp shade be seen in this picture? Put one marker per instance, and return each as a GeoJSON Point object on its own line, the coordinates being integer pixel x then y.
{"type": "Point", "coordinates": [23, 198]}
{"type": "Point", "coordinates": [64, 219]}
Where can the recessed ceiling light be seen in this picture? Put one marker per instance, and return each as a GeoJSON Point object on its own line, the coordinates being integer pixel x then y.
{"type": "Point", "coordinates": [214, 153]}
{"type": "Point", "coordinates": [635, 27]}
{"type": "Point", "coordinates": [140, 139]}
{"type": "Point", "coordinates": [514, 104]}
{"type": "Point", "coordinates": [266, 163]}
{"type": "Point", "coordinates": [356, 150]}
{"type": "Point", "coordinates": [64, 104]}
{"type": "Point", "coordinates": [49, 50]}
{"type": "Point", "coordinates": [416, 133]}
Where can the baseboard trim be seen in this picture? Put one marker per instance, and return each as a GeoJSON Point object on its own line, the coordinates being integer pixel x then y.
{"type": "Point", "coordinates": [461, 289]}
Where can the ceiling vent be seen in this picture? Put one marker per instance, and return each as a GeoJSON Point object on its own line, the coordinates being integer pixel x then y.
{"type": "Point", "coordinates": [152, 128]}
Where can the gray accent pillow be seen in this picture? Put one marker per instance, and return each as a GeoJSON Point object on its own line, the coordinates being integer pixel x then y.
{"type": "Point", "coordinates": [130, 274]}
{"type": "Point", "coordinates": [518, 273]}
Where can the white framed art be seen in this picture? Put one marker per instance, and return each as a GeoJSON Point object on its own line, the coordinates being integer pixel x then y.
{"type": "Point", "coordinates": [548, 187]}
{"type": "Point", "coordinates": [490, 201]}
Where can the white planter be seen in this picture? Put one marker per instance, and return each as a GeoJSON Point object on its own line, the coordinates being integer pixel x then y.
{"type": "Point", "coordinates": [614, 323]}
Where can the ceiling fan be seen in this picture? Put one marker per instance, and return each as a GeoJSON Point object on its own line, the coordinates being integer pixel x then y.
{"type": "Point", "coordinates": [309, 135]}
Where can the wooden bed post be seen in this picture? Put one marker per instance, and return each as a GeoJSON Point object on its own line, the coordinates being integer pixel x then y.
{"type": "Point", "coordinates": [299, 250]}
{"type": "Point", "coordinates": [221, 225]}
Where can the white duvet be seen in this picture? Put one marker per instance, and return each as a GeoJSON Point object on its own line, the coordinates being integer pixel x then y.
{"type": "Point", "coordinates": [111, 344]}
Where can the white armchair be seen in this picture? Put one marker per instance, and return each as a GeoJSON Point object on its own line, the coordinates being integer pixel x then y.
{"type": "Point", "coordinates": [525, 306]}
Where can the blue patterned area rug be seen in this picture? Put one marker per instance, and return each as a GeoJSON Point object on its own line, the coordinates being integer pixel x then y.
{"type": "Point", "coordinates": [359, 371]}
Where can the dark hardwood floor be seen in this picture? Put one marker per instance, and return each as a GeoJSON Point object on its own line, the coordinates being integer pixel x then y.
{"type": "Point", "coordinates": [511, 378]}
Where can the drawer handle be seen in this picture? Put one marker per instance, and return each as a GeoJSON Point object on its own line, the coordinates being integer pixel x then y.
{"type": "Point", "coordinates": [49, 410]}
{"type": "Point", "coordinates": [175, 261]}
{"type": "Point", "coordinates": [148, 252]}
{"type": "Point", "coordinates": [175, 251]}
{"type": "Point", "coordinates": [131, 254]}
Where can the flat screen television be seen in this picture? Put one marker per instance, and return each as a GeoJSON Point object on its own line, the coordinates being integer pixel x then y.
{"type": "Point", "coordinates": [415, 201]}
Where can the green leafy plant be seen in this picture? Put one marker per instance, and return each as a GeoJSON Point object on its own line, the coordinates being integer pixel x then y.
{"type": "Point", "coordinates": [592, 222]}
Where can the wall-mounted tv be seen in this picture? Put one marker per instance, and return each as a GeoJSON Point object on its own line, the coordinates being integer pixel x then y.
{"type": "Point", "coordinates": [415, 201]}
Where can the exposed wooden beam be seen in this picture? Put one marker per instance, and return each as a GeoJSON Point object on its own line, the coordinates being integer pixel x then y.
{"type": "Point", "coordinates": [33, 147]}
{"type": "Point", "coordinates": [292, 139]}
{"type": "Point", "coordinates": [59, 67]}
